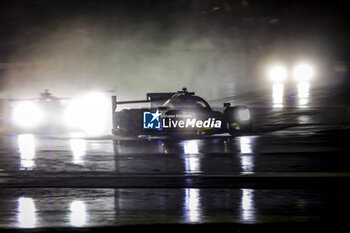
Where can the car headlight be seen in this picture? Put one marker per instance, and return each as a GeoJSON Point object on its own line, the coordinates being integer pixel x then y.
{"type": "Point", "coordinates": [89, 113]}
{"type": "Point", "coordinates": [243, 114]}
{"type": "Point", "coordinates": [277, 74]}
{"type": "Point", "coordinates": [303, 73]}
{"type": "Point", "coordinates": [27, 114]}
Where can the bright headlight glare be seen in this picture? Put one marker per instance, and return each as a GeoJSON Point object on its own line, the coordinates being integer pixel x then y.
{"type": "Point", "coordinates": [303, 72]}
{"type": "Point", "coordinates": [27, 114]}
{"type": "Point", "coordinates": [243, 114]}
{"type": "Point", "coordinates": [277, 74]}
{"type": "Point", "coordinates": [89, 113]}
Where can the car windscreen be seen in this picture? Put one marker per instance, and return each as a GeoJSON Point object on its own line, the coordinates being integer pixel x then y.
{"type": "Point", "coordinates": [186, 102]}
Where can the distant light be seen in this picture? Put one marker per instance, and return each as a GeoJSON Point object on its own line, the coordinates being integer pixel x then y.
{"type": "Point", "coordinates": [27, 114]}
{"type": "Point", "coordinates": [89, 113]}
{"type": "Point", "coordinates": [303, 72]}
{"type": "Point", "coordinates": [277, 74]}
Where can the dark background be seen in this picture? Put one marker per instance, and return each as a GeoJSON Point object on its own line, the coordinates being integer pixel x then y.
{"type": "Point", "coordinates": [228, 39]}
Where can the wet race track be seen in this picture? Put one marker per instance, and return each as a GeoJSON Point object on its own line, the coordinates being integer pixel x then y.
{"type": "Point", "coordinates": [290, 175]}
{"type": "Point", "coordinates": [293, 169]}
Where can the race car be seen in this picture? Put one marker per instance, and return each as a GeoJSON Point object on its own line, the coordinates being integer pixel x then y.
{"type": "Point", "coordinates": [179, 113]}
{"type": "Point", "coordinates": [86, 114]}
{"type": "Point", "coordinates": [42, 113]}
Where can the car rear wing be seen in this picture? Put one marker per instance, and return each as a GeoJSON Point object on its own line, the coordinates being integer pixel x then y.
{"type": "Point", "coordinates": [115, 103]}
{"type": "Point", "coordinates": [155, 100]}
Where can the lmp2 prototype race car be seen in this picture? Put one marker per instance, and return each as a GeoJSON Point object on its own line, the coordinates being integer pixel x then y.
{"type": "Point", "coordinates": [179, 113]}
{"type": "Point", "coordinates": [84, 114]}
{"type": "Point", "coordinates": [42, 113]}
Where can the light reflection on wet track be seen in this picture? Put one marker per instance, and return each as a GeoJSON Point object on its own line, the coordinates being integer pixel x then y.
{"type": "Point", "coordinates": [240, 155]}
{"type": "Point", "coordinates": [30, 208]}
{"type": "Point", "coordinates": [275, 153]}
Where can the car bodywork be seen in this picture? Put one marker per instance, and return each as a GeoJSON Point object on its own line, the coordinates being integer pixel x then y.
{"type": "Point", "coordinates": [180, 113]}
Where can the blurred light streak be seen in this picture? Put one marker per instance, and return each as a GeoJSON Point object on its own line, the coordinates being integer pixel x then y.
{"type": "Point", "coordinates": [247, 164]}
{"type": "Point", "coordinates": [248, 212]}
{"type": "Point", "coordinates": [191, 147]}
{"type": "Point", "coordinates": [192, 205]}
{"type": "Point", "coordinates": [303, 94]}
{"type": "Point", "coordinates": [246, 157]}
{"type": "Point", "coordinates": [277, 95]}
{"type": "Point", "coordinates": [192, 162]}
{"type": "Point", "coordinates": [245, 143]}
{"type": "Point", "coordinates": [304, 119]}
{"type": "Point", "coordinates": [26, 212]}
{"type": "Point", "coordinates": [78, 147]}
{"type": "Point", "coordinates": [78, 215]}
{"type": "Point", "coordinates": [26, 144]}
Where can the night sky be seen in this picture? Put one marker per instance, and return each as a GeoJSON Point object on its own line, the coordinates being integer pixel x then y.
{"type": "Point", "coordinates": [23, 21]}
{"type": "Point", "coordinates": [250, 29]}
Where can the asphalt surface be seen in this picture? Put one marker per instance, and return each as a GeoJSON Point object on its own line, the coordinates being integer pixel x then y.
{"type": "Point", "coordinates": [291, 174]}
{"type": "Point", "coordinates": [297, 175]}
